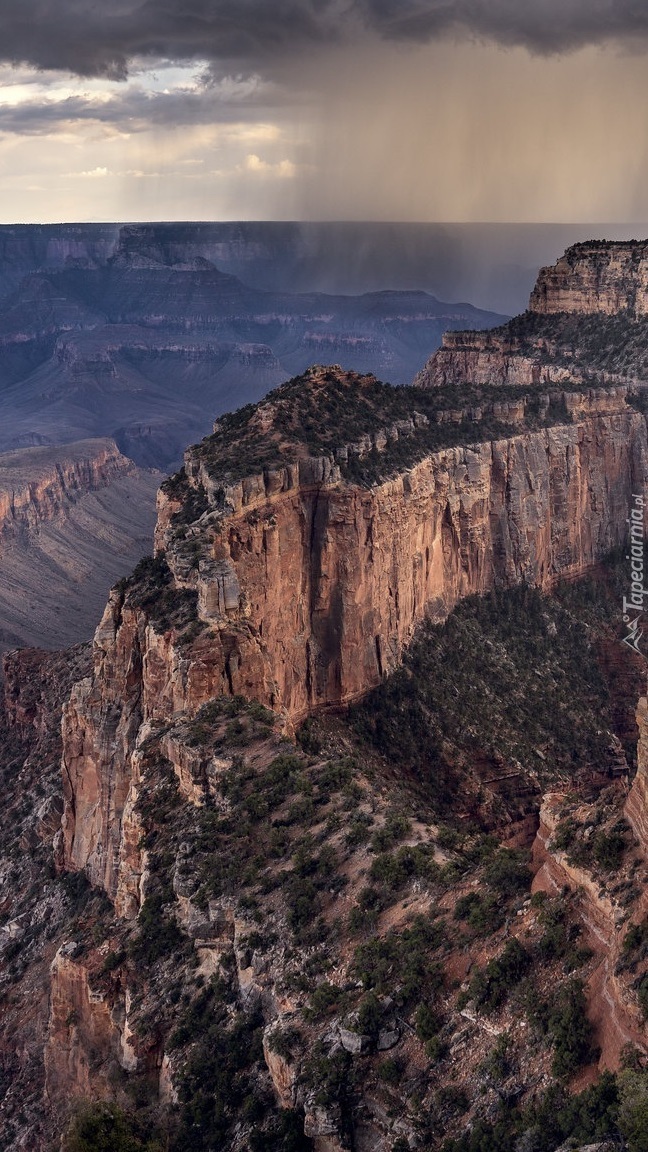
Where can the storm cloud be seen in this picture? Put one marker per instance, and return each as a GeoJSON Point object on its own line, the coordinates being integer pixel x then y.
{"type": "Point", "coordinates": [133, 109]}
{"type": "Point", "coordinates": [92, 38]}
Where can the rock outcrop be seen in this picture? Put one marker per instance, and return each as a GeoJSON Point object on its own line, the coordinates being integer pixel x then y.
{"type": "Point", "coordinates": [636, 808]}
{"type": "Point", "coordinates": [598, 276]}
{"type": "Point", "coordinates": [612, 1007]}
{"type": "Point", "coordinates": [307, 587]}
{"type": "Point", "coordinates": [73, 519]}
{"type": "Point", "coordinates": [491, 358]}
{"type": "Point", "coordinates": [294, 564]}
{"type": "Point", "coordinates": [585, 319]}
{"type": "Point", "coordinates": [87, 1037]}
{"type": "Point", "coordinates": [38, 484]}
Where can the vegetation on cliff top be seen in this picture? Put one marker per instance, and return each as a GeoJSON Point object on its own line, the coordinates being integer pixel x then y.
{"type": "Point", "coordinates": [524, 695]}
{"type": "Point", "coordinates": [327, 409]}
{"type": "Point", "coordinates": [584, 343]}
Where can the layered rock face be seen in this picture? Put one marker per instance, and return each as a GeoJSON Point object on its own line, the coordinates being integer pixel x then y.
{"type": "Point", "coordinates": [325, 581]}
{"type": "Point", "coordinates": [36, 484]}
{"type": "Point", "coordinates": [599, 289]}
{"type": "Point", "coordinates": [308, 587]}
{"type": "Point", "coordinates": [599, 276]}
{"type": "Point", "coordinates": [73, 519]}
{"type": "Point", "coordinates": [287, 574]}
{"type": "Point", "coordinates": [137, 334]}
{"type": "Point", "coordinates": [491, 358]}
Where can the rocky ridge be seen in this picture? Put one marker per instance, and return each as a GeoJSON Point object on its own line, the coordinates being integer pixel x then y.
{"type": "Point", "coordinates": [308, 902]}
{"type": "Point", "coordinates": [72, 520]}
{"type": "Point", "coordinates": [37, 483]}
{"type": "Point", "coordinates": [598, 276]}
{"type": "Point", "coordinates": [281, 913]}
{"type": "Point", "coordinates": [136, 334]}
{"type": "Point", "coordinates": [586, 322]}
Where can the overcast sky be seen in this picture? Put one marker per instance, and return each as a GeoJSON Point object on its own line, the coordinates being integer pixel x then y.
{"type": "Point", "coordinates": [520, 110]}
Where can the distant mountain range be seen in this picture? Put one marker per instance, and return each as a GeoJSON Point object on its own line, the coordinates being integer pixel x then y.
{"type": "Point", "coordinates": [139, 336]}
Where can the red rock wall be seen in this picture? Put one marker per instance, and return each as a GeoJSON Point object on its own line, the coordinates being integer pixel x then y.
{"type": "Point", "coordinates": [595, 277]}
{"type": "Point", "coordinates": [37, 483]}
{"type": "Point", "coordinates": [310, 591]}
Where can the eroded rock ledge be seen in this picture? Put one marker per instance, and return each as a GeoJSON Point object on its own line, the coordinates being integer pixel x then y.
{"type": "Point", "coordinates": [301, 588]}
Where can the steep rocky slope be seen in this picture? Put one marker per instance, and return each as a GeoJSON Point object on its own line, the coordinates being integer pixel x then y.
{"type": "Point", "coordinates": [376, 657]}
{"type": "Point", "coordinates": [336, 943]}
{"type": "Point", "coordinates": [72, 521]}
{"type": "Point", "coordinates": [36, 909]}
{"type": "Point", "coordinates": [586, 321]}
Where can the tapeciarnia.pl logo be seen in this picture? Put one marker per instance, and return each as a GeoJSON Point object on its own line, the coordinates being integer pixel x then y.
{"type": "Point", "coordinates": [633, 605]}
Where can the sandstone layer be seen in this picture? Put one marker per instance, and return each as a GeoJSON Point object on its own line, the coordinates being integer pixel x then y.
{"type": "Point", "coordinates": [36, 484]}
{"type": "Point", "coordinates": [492, 358]}
{"type": "Point", "coordinates": [599, 276]}
{"type": "Point", "coordinates": [586, 319]}
{"type": "Point", "coordinates": [72, 520]}
{"type": "Point", "coordinates": [307, 587]}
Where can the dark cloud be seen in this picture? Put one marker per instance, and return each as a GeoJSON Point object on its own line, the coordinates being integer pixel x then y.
{"type": "Point", "coordinates": [100, 37]}
{"type": "Point", "coordinates": [134, 110]}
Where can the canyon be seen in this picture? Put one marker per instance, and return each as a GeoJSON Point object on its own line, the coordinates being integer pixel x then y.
{"type": "Point", "coordinates": [136, 333]}
{"type": "Point", "coordinates": [133, 334]}
{"type": "Point", "coordinates": [307, 589]}
{"type": "Point", "coordinates": [72, 521]}
{"type": "Point", "coordinates": [278, 855]}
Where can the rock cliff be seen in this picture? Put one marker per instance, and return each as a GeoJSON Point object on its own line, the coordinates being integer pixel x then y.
{"type": "Point", "coordinates": [636, 808]}
{"type": "Point", "coordinates": [586, 322]}
{"type": "Point", "coordinates": [301, 588]}
{"type": "Point", "coordinates": [282, 913]}
{"type": "Point", "coordinates": [37, 484]}
{"type": "Point", "coordinates": [598, 276]}
{"type": "Point", "coordinates": [73, 519]}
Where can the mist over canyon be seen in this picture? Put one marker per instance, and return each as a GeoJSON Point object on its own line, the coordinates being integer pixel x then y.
{"type": "Point", "coordinates": [143, 337]}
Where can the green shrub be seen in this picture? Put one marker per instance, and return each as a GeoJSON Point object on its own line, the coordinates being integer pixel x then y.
{"type": "Point", "coordinates": [370, 1014]}
{"type": "Point", "coordinates": [427, 1022]}
{"type": "Point", "coordinates": [159, 934]}
{"type": "Point", "coordinates": [481, 911]}
{"type": "Point", "coordinates": [570, 1030]}
{"type": "Point", "coordinates": [107, 1128]}
{"type": "Point", "coordinates": [633, 1109]}
{"type": "Point", "coordinates": [393, 830]}
{"type": "Point", "coordinates": [508, 873]}
{"type": "Point", "coordinates": [325, 998]}
{"type": "Point", "coordinates": [608, 847]}
{"type": "Point", "coordinates": [390, 1071]}
{"type": "Point", "coordinates": [402, 965]}
{"type": "Point", "coordinates": [491, 987]}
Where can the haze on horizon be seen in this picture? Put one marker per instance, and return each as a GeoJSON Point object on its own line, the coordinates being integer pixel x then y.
{"type": "Point", "coordinates": [401, 110]}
